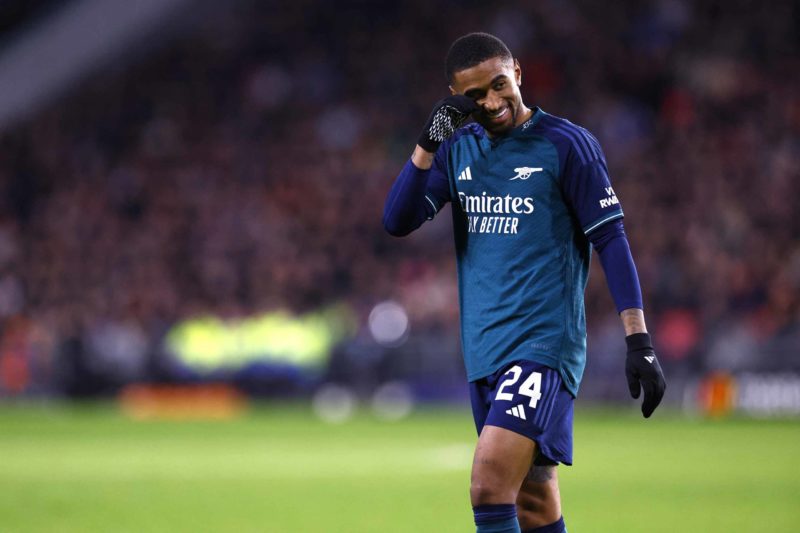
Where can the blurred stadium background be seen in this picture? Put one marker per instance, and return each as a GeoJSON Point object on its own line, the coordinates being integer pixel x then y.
{"type": "Point", "coordinates": [190, 225]}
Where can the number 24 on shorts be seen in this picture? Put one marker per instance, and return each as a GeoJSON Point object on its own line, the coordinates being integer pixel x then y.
{"type": "Point", "coordinates": [531, 387]}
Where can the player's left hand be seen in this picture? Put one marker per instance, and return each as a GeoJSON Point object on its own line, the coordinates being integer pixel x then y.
{"type": "Point", "coordinates": [644, 372]}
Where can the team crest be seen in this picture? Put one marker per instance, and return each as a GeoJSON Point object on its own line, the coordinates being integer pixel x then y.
{"type": "Point", "coordinates": [524, 173]}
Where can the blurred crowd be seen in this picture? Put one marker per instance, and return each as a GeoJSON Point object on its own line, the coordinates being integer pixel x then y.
{"type": "Point", "coordinates": [242, 167]}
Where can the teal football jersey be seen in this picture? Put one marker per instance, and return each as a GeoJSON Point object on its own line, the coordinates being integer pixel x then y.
{"type": "Point", "coordinates": [522, 206]}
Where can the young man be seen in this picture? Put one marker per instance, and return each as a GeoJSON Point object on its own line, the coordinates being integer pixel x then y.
{"type": "Point", "coordinates": [531, 195]}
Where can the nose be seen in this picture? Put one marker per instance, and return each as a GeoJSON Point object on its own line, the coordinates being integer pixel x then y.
{"type": "Point", "coordinates": [491, 103]}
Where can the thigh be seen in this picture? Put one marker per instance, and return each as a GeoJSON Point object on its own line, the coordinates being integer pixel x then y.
{"type": "Point", "coordinates": [502, 461]}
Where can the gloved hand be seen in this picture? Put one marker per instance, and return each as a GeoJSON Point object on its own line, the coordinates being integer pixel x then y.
{"type": "Point", "coordinates": [641, 367]}
{"type": "Point", "coordinates": [447, 116]}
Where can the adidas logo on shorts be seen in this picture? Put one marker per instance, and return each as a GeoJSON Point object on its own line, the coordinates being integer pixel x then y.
{"type": "Point", "coordinates": [517, 411]}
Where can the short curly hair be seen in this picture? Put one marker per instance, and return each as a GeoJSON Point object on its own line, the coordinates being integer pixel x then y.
{"type": "Point", "coordinates": [472, 49]}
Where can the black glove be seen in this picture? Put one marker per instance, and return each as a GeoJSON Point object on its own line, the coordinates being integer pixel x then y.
{"type": "Point", "coordinates": [642, 366]}
{"type": "Point", "coordinates": [447, 115]}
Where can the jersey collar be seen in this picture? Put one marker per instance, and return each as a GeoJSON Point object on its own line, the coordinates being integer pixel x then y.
{"type": "Point", "coordinates": [525, 126]}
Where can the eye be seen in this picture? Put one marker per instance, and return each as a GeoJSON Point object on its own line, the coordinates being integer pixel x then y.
{"type": "Point", "coordinates": [499, 85]}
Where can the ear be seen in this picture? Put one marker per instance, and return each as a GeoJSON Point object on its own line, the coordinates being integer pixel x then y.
{"type": "Point", "coordinates": [517, 73]}
{"type": "Point", "coordinates": [452, 91]}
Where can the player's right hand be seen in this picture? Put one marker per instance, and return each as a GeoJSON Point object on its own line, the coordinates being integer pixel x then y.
{"type": "Point", "coordinates": [447, 116]}
{"type": "Point", "coordinates": [643, 371]}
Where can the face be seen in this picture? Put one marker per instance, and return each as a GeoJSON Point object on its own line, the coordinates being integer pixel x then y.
{"type": "Point", "coordinates": [494, 85]}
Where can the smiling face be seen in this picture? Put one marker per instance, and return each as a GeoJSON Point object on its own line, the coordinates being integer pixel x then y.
{"type": "Point", "coordinates": [494, 85]}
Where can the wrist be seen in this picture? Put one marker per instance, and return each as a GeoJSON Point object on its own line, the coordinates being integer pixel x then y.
{"type": "Point", "coordinates": [422, 158]}
{"type": "Point", "coordinates": [633, 321]}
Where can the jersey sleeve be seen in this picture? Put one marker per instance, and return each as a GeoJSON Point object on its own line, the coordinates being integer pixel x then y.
{"type": "Point", "coordinates": [612, 246]}
{"type": "Point", "coordinates": [437, 192]}
{"type": "Point", "coordinates": [586, 184]}
{"type": "Point", "coordinates": [415, 196]}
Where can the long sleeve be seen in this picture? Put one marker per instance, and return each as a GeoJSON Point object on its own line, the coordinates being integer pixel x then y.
{"type": "Point", "coordinates": [417, 195]}
{"type": "Point", "coordinates": [587, 189]}
{"type": "Point", "coordinates": [615, 255]}
{"type": "Point", "coordinates": [406, 206]}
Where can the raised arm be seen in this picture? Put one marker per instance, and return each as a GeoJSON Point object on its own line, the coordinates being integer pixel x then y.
{"type": "Point", "coordinates": [407, 205]}
{"type": "Point", "coordinates": [422, 186]}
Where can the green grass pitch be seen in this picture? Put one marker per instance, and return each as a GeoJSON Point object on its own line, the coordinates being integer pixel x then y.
{"type": "Point", "coordinates": [278, 469]}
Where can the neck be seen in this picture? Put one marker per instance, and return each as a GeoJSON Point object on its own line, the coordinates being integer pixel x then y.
{"type": "Point", "coordinates": [524, 115]}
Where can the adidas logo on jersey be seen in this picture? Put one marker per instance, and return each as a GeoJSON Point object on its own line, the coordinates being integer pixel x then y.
{"type": "Point", "coordinates": [465, 175]}
{"type": "Point", "coordinates": [650, 358]}
{"type": "Point", "coordinates": [517, 411]}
